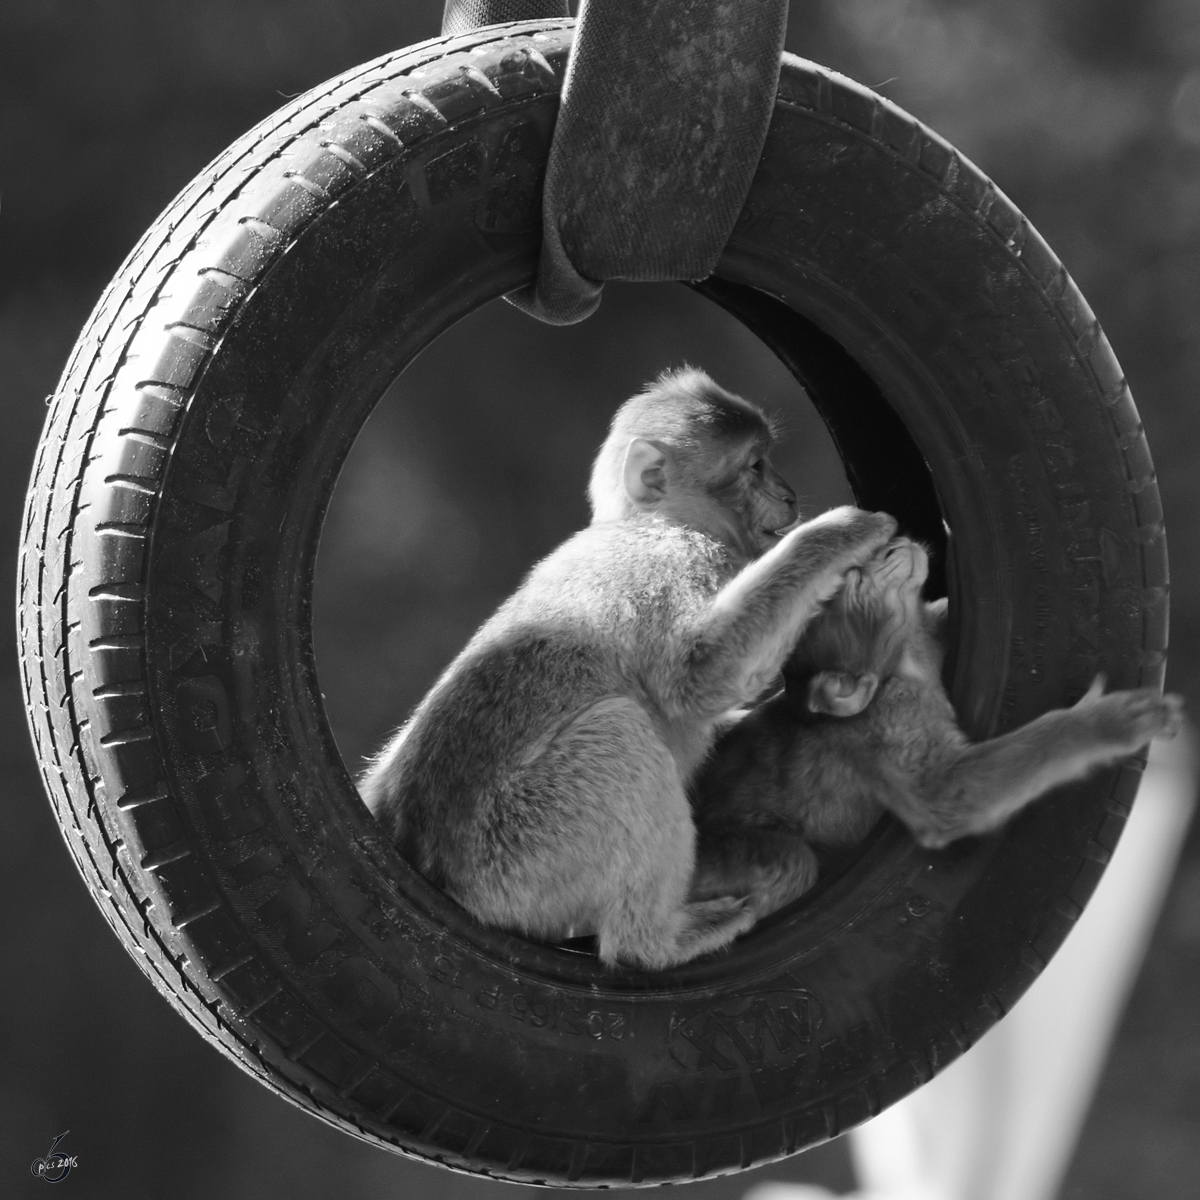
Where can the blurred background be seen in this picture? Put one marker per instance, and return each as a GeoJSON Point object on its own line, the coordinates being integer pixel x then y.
{"type": "Point", "coordinates": [1086, 112]}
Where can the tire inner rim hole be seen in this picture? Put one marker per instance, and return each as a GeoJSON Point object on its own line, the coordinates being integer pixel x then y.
{"type": "Point", "coordinates": [474, 465]}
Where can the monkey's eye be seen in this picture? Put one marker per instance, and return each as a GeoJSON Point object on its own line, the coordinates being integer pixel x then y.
{"type": "Point", "coordinates": [758, 466]}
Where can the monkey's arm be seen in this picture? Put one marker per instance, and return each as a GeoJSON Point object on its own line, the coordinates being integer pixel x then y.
{"type": "Point", "coordinates": [976, 788]}
{"type": "Point", "coordinates": [756, 618]}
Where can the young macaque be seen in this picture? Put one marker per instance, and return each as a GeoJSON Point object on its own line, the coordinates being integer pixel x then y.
{"type": "Point", "coordinates": [865, 726]}
{"type": "Point", "coordinates": [542, 783]}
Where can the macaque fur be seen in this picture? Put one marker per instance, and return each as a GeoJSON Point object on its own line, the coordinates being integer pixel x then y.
{"type": "Point", "coordinates": [865, 726]}
{"type": "Point", "coordinates": [543, 781]}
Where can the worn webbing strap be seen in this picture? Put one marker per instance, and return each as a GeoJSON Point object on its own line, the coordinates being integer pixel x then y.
{"type": "Point", "coordinates": [664, 113]}
{"type": "Point", "coordinates": [461, 16]}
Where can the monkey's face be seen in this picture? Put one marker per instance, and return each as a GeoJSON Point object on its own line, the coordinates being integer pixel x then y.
{"type": "Point", "coordinates": [859, 638]}
{"type": "Point", "coordinates": [690, 452]}
{"type": "Point", "coordinates": [744, 499]}
{"type": "Point", "coordinates": [893, 579]}
{"type": "Point", "coordinates": [883, 597]}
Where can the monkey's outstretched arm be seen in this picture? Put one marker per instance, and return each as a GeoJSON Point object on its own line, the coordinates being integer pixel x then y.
{"type": "Point", "coordinates": [756, 618]}
{"type": "Point", "coordinates": [980, 786]}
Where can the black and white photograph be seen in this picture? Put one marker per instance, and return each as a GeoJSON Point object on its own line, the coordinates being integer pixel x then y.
{"type": "Point", "coordinates": [605, 594]}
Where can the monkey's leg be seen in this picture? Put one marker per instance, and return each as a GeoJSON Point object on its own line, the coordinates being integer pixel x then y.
{"type": "Point", "coordinates": [648, 918]}
{"type": "Point", "coordinates": [602, 838]}
{"type": "Point", "coordinates": [772, 866]}
{"type": "Point", "coordinates": [981, 786]}
{"type": "Point", "coordinates": [756, 618]}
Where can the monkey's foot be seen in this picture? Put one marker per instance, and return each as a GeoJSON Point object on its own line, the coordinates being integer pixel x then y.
{"type": "Point", "coordinates": [712, 924]}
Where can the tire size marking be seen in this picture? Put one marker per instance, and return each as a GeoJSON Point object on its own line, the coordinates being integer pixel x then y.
{"type": "Point", "coordinates": [537, 1010]}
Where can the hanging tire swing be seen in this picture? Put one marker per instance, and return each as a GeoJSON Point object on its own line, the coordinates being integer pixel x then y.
{"type": "Point", "coordinates": [169, 545]}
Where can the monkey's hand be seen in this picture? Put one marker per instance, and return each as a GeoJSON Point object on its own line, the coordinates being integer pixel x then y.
{"type": "Point", "coordinates": [848, 535]}
{"type": "Point", "coordinates": [1126, 721]}
{"type": "Point", "coordinates": [755, 619]}
{"type": "Point", "coordinates": [985, 784]}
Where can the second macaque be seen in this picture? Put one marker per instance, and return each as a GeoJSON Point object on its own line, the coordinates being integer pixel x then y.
{"type": "Point", "coordinates": [865, 726]}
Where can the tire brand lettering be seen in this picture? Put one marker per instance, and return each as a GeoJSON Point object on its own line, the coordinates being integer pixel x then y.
{"type": "Point", "coordinates": [228, 803]}
{"type": "Point", "coordinates": [196, 560]}
{"type": "Point", "coordinates": [218, 496]}
{"type": "Point", "coordinates": [305, 934]}
{"type": "Point", "coordinates": [510, 207]}
{"type": "Point", "coordinates": [260, 863]}
{"type": "Point", "coordinates": [455, 173]}
{"type": "Point", "coordinates": [775, 1027]}
{"type": "Point", "coordinates": [370, 996]}
{"type": "Point", "coordinates": [194, 632]}
{"type": "Point", "coordinates": [224, 416]}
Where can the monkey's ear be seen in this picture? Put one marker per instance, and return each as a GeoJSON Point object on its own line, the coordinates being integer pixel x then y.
{"type": "Point", "coordinates": [645, 472]}
{"type": "Point", "coordinates": [841, 694]}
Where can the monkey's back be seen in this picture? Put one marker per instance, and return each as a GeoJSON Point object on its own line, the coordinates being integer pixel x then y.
{"type": "Point", "coordinates": [830, 778]}
{"type": "Point", "coordinates": [598, 619]}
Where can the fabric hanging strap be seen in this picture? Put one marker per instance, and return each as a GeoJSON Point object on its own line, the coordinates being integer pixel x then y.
{"type": "Point", "coordinates": [461, 16]}
{"type": "Point", "coordinates": [664, 112]}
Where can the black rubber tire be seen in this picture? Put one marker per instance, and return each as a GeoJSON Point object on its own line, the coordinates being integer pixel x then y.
{"type": "Point", "coordinates": [169, 544]}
